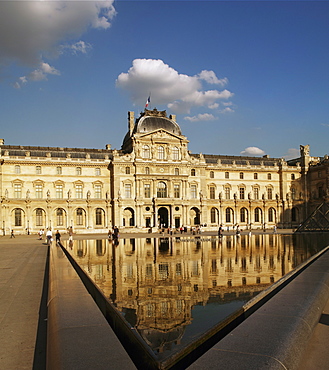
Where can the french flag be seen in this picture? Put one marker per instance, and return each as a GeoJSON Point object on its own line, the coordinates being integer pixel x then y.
{"type": "Point", "coordinates": [148, 101]}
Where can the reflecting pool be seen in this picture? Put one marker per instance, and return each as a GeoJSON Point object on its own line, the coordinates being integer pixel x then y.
{"type": "Point", "coordinates": [172, 290]}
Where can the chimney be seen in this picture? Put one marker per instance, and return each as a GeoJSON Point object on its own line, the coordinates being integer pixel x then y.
{"type": "Point", "coordinates": [2, 141]}
{"type": "Point", "coordinates": [131, 121]}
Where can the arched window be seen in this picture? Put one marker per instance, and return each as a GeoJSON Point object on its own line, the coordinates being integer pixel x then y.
{"type": "Point", "coordinates": [18, 217]}
{"type": "Point", "coordinates": [175, 154]}
{"type": "Point", "coordinates": [192, 172]}
{"type": "Point", "coordinates": [292, 176]}
{"type": "Point", "coordinates": [258, 214]}
{"type": "Point", "coordinates": [241, 192]}
{"type": "Point", "coordinates": [39, 217]}
{"type": "Point", "coordinates": [146, 152]}
{"type": "Point", "coordinates": [147, 170]}
{"type": "Point", "coordinates": [176, 171]}
{"type": "Point", "coordinates": [162, 190]}
{"type": "Point", "coordinates": [294, 214]}
{"type": "Point", "coordinates": [269, 176]}
{"type": "Point", "coordinates": [229, 215]}
{"type": "Point", "coordinates": [213, 215]}
{"type": "Point", "coordinates": [271, 215]}
{"type": "Point", "coordinates": [241, 175]}
{"type": "Point", "coordinates": [60, 217]}
{"type": "Point", "coordinates": [127, 170]}
{"type": "Point", "coordinates": [212, 192]}
{"type": "Point", "coordinates": [161, 152]}
{"type": "Point", "coordinates": [78, 171]}
{"type": "Point", "coordinates": [243, 215]}
{"type": "Point", "coordinates": [99, 217]}
{"type": "Point", "coordinates": [58, 170]}
{"type": "Point", "coordinates": [79, 216]}
{"type": "Point", "coordinates": [227, 175]}
{"type": "Point", "coordinates": [212, 174]}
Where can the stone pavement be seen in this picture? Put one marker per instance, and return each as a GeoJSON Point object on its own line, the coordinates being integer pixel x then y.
{"type": "Point", "coordinates": [22, 271]}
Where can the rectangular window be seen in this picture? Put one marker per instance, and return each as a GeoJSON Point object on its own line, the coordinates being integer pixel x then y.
{"type": "Point", "coordinates": [227, 193]}
{"type": "Point", "coordinates": [17, 169]}
{"type": "Point", "coordinates": [78, 191]}
{"type": "Point", "coordinates": [59, 170]}
{"type": "Point", "coordinates": [59, 191]}
{"type": "Point", "coordinates": [241, 193]}
{"type": "Point", "coordinates": [78, 171]}
{"type": "Point", "coordinates": [227, 175]}
{"type": "Point", "coordinates": [241, 175]}
{"type": "Point", "coordinates": [147, 190]}
{"type": "Point", "coordinates": [38, 170]}
{"type": "Point", "coordinates": [176, 191]}
{"type": "Point", "coordinates": [127, 190]}
{"type": "Point", "coordinates": [18, 191]}
{"type": "Point", "coordinates": [38, 191]}
{"type": "Point", "coordinates": [97, 172]}
{"type": "Point", "coordinates": [193, 192]}
{"type": "Point", "coordinates": [212, 192]}
{"type": "Point", "coordinates": [269, 193]}
{"type": "Point", "coordinates": [98, 191]}
{"type": "Point", "coordinates": [256, 193]}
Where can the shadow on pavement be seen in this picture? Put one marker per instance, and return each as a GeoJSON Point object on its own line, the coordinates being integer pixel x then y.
{"type": "Point", "coordinates": [40, 351]}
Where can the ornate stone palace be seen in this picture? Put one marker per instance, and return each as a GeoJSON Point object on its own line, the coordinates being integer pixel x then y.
{"type": "Point", "coordinates": [153, 181]}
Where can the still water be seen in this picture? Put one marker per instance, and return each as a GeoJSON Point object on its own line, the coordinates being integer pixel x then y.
{"type": "Point", "coordinates": [172, 290]}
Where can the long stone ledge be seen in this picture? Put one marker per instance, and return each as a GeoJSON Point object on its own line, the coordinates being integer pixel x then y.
{"type": "Point", "coordinates": [275, 336]}
{"type": "Point", "coordinates": [78, 335]}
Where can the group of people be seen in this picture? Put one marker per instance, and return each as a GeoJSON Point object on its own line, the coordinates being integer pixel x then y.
{"type": "Point", "coordinates": [49, 235]}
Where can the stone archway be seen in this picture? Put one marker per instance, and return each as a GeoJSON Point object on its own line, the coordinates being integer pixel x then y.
{"type": "Point", "coordinates": [195, 216]}
{"type": "Point", "coordinates": [163, 217]}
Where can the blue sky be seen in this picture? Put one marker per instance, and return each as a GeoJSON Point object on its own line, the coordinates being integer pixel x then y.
{"type": "Point", "coordinates": [243, 77]}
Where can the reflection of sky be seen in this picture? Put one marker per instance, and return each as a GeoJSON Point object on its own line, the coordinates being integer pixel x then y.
{"type": "Point", "coordinates": [206, 306]}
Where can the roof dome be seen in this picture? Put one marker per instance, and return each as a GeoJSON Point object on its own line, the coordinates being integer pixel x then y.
{"type": "Point", "coordinates": [149, 120]}
{"type": "Point", "coordinates": [152, 120]}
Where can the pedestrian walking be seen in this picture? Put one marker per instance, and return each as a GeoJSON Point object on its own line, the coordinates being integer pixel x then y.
{"type": "Point", "coordinates": [12, 235]}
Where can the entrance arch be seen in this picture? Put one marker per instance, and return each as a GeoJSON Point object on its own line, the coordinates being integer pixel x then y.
{"type": "Point", "coordinates": [195, 216]}
{"type": "Point", "coordinates": [163, 218]}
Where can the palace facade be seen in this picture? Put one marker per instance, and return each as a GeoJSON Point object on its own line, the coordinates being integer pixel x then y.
{"type": "Point", "coordinates": [154, 181]}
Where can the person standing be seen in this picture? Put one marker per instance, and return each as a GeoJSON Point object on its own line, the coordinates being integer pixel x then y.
{"type": "Point", "coordinates": [58, 237]}
{"type": "Point", "coordinates": [49, 236]}
{"type": "Point", "coordinates": [12, 235]}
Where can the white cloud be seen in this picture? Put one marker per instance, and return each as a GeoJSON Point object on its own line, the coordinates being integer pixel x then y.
{"type": "Point", "coordinates": [211, 78]}
{"type": "Point", "coordinates": [33, 30]}
{"type": "Point", "coordinates": [39, 74]}
{"type": "Point", "coordinates": [201, 117]}
{"type": "Point", "coordinates": [252, 151]}
{"type": "Point", "coordinates": [292, 153]}
{"type": "Point", "coordinates": [227, 110]}
{"type": "Point", "coordinates": [179, 92]}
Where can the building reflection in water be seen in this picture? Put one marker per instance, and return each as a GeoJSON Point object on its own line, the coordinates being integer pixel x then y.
{"type": "Point", "coordinates": [174, 289]}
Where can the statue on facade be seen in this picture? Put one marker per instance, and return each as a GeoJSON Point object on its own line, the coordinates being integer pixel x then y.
{"type": "Point", "coordinates": [304, 150]}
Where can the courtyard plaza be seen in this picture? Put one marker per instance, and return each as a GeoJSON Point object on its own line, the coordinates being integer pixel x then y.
{"type": "Point", "coordinates": [23, 305]}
